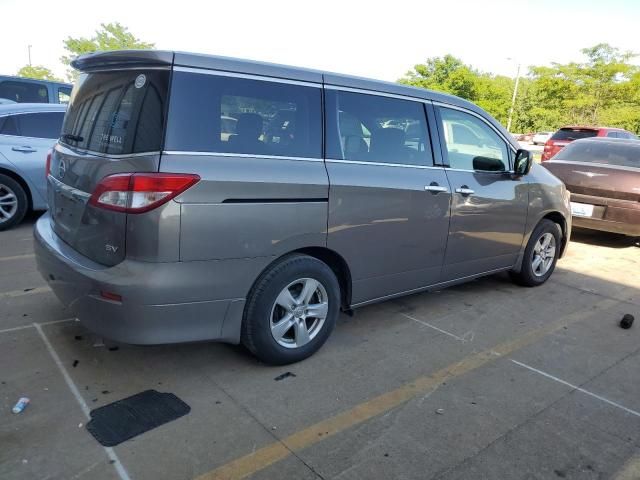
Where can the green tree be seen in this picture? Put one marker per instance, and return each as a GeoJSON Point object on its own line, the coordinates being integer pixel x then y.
{"type": "Point", "coordinates": [110, 36]}
{"type": "Point", "coordinates": [602, 89]}
{"type": "Point", "coordinates": [38, 72]}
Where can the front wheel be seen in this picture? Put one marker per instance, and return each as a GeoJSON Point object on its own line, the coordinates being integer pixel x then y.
{"type": "Point", "coordinates": [540, 255]}
{"type": "Point", "coordinates": [291, 310]}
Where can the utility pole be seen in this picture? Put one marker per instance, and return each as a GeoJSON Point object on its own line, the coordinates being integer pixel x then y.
{"type": "Point", "coordinates": [513, 98]}
{"type": "Point", "coordinates": [29, 49]}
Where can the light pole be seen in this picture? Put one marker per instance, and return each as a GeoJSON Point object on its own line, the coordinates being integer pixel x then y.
{"type": "Point", "coordinates": [513, 98]}
{"type": "Point", "coordinates": [29, 49]}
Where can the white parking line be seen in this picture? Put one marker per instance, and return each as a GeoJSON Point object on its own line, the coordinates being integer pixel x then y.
{"type": "Point", "coordinates": [122, 472]}
{"type": "Point", "coordinates": [17, 257]}
{"type": "Point", "coordinates": [575, 387]}
{"type": "Point", "coordinates": [25, 291]}
{"type": "Point", "coordinates": [43, 324]}
{"type": "Point", "coordinates": [426, 324]}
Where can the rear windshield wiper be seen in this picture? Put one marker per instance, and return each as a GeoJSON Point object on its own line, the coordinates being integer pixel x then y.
{"type": "Point", "coordinates": [72, 137]}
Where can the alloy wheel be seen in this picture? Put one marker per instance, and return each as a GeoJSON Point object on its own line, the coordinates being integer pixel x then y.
{"type": "Point", "coordinates": [299, 312]}
{"type": "Point", "coordinates": [544, 253]}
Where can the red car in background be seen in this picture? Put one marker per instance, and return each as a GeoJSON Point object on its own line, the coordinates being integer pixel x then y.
{"type": "Point", "coordinates": [568, 134]}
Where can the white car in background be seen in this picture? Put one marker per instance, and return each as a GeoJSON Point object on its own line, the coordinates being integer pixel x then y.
{"type": "Point", "coordinates": [541, 138]}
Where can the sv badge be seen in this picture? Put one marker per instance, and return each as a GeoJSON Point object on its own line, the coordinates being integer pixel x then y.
{"type": "Point", "coordinates": [111, 248]}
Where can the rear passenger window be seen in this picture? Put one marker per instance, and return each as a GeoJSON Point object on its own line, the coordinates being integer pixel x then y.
{"type": "Point", "coordinates": [471, 144]}
{"type": "Point", "coordinates": [222, 114]}
{"type": "Point", "coordinates": [40, 125]}
{"type": "Point", "coordinates": [614, 135]}
{"type": "Point", "coordinates": [372, 128]}
{"type": "Point", "coordinates": [8, 125]}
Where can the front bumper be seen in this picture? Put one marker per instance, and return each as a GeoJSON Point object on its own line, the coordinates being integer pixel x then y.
{"type": "Point", "coordinates": [161, 302]}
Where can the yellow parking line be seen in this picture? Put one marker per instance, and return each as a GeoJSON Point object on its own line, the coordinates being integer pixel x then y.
{"type": "Point", "coordinates": [17, 257]}
{"type": "Point", "coordinates": [270, 454]}
{"type": "Point", "coordinates": [23, 292]}
{"type": "Point", "coordinates": [630, 471]}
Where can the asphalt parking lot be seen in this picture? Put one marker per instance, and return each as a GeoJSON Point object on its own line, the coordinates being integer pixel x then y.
{"type": "Point", "coordinates": [484, 380]}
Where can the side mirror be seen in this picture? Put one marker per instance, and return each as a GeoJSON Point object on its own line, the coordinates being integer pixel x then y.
{"type": "Point", "coordinates": [523, 162]}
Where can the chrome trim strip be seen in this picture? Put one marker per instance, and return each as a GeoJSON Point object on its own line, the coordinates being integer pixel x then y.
{"type": "Point", "coordinates": [477, 115]}
{"type": "Point", "coordinates": [31, 111]}
{"type": "Point", "coordinates": [429, 287]}
{"type": "Point", "coordinates": [382, 164]}
{"type": "Point", "coordinates": [504, 172]}
{"type": "Point", "coordinates": [224, 73]}
{"type": "Point", "coordinates": [74, 192]}
{"type": "Point", "coordinates": [68, 149]}
{"type": "Point", "coordinates": [241, 155]}
{"type": "Point", "coordinates": [377, 93]}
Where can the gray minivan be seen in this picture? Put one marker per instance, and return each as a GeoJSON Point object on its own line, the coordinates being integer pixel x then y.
{"type": "Point", "coordinates": [195, 197]}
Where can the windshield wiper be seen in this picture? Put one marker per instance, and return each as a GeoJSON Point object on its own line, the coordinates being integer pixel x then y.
{"type": "Point", "coordinates": [72, 137]}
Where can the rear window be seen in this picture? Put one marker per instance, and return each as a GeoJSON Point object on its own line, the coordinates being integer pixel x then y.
{"type": "Point", "coordinates": [607, 153]}
{"type": "Point", "coordinates": [574, 134]}
{"type": "Point", "coordinates": [220, 114]}
{"type": "Point", "coordinates": [118, 113]}
{"type": "Point", "coordinates": [24, 92]}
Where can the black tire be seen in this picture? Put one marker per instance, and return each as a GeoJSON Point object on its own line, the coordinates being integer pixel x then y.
{"type": "Point", "coordinates": [9, 184]}
{"type": "Point", "coordinates": [256, 325]}
{"type": "Point", "coordinates": [526, 276]}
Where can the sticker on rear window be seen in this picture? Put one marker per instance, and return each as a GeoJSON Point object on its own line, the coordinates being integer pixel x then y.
{"type": "Point", "coordinates": [140, 80]}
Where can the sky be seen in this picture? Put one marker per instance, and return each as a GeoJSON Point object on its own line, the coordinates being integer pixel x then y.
{"type": "Point", "coordinates": [374, 39]}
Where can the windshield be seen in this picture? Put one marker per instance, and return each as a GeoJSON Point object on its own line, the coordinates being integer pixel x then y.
{"type": "Point", "coordinates": [608, 153]}
{"type": "Point", "coordinates": [117, 112]}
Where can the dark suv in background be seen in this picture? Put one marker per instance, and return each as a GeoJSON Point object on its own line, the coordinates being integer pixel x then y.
{"type": "Point", "coordinates": [28, 90]}
{"type": "Point", "coordinates": [566, 135]}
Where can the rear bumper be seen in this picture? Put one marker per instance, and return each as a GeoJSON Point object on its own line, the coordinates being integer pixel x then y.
{"type": "Point", "coordinates": [609, 215]}
{"type": "Point", "coordinates": [161, 302]}
{"type": "Point", "coordinates": [608, 226]}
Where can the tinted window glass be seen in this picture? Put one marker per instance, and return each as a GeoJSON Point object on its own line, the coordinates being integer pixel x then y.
{"type": "Point", "coordinates": [609, 153]}
{"type": "Point", "coordinates": [471, 144]}
{"type": "Point", "coordinates": [118, 112]}
{"type": "Point", "coordinates": [574, 134]}
{"type": "Point", "coordinates": [24, 92]}
{"type": "Point", "coordinates": [40, 125]}
{"type": "Point", "coordinates": [64, 93]}
{"type": "Point", "coordinates": [236, 115]}
{"type": "Point", "coordinates": [372, 128]}
{"type": "Point", "coordinates": [8, 125]}
{"type": "Point", "coordinates": [614, 135]}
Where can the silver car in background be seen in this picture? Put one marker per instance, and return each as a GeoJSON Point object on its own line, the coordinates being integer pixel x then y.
{"type": "Point", "coordinates": [27, 132]}
{"type": "Point", "coordinates": [207, 198]}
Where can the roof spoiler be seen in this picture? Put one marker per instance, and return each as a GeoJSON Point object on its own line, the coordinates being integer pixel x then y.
{"type": "Point", "coordinates": [122, 58]}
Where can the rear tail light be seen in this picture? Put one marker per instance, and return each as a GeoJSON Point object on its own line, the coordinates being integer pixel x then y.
{"type": "Point", "coordinates": [47, 168]}
{"type": "Point", "coordinates": [139, 192]}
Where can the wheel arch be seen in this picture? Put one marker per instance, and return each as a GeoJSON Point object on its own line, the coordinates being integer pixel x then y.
{"type": "Point", "coordinates": [559, 219]}
{"type": "Point", "coordinates": [22, 182]}
{"type": "Point", "coordinates": [339, 267]}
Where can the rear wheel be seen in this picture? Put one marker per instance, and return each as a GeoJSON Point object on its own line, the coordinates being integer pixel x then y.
{"type": "Point", "coordinates": [291, 310]}
{"type": "Point", "coordinates": [540, 255]}
{"type": "Point", "coordinates": [13, 202]}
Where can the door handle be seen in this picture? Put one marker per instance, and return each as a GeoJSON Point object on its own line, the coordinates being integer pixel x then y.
{"type": "Point", "coordinates": [435, 188]}
{"type": "Point", "coordinates": [464, 190]}
{"type": "Point", "coordinates": [25, 149]}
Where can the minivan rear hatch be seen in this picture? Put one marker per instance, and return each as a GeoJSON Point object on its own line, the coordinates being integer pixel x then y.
{"type": "Point", "coordinates": [114, 124]}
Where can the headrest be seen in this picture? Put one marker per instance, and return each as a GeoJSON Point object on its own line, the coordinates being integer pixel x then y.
{"type": "Point", "coordinates": [249, 125]}
{"type": "Point", "coordinates": [386, 139]}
